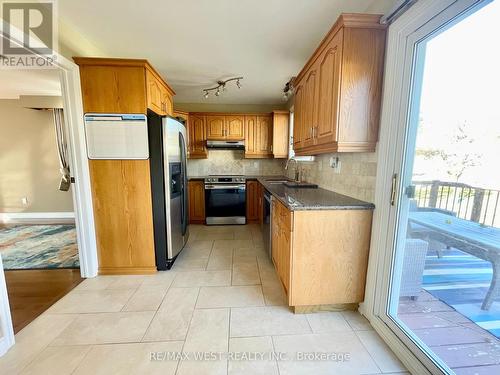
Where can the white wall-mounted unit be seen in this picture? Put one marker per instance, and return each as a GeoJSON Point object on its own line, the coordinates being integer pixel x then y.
{"type": "Point", "coordinates": [116, 136]}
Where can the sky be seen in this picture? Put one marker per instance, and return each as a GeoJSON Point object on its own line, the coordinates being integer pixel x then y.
{"type": "Point", "coordinates": [461, 84]}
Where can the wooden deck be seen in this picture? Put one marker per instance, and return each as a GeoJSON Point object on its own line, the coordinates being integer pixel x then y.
{"type": "Point", "coordinates": [464, 346]}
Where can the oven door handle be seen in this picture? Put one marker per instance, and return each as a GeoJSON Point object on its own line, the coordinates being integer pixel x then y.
{"type": "Point", "coordinates": [224, 187]}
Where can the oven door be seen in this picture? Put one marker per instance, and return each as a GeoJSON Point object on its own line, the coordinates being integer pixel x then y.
{"type": "Point", "coordinates": [225, 204]}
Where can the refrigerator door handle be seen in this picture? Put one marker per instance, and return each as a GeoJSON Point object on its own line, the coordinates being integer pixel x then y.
{"type": "Point", "coordinates": [183, 155]}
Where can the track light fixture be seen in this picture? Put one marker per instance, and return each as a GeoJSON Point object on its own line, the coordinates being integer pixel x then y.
{"type": "Point", "coordinates": [221, 87]}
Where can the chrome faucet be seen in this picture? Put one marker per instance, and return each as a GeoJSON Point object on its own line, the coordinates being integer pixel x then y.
{"type": "Point", "coordinates": [297, 171]}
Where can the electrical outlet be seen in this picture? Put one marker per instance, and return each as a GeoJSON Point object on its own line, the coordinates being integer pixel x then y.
{"type": "Point", "coordinates": [335, 164]}
{"type": "Point", "coordinates": [24, 201]}
{"type": "Point", "coordinates": [334, 161]}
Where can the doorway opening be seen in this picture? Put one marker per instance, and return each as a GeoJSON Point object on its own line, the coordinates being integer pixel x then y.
{"type": "Point", "coordinates": [38, 239]}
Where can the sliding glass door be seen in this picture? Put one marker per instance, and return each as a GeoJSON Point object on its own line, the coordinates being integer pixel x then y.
{"type": "Point", "coordinates": [442, 295]}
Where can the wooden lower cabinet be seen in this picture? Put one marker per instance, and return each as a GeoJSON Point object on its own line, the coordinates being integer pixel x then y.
{"type": "Point", "coordinates": [252, 201]}
{"type": "Point", "coordinates": [196, 201]}
{"type": "Point", "coordinates": [281, 242]}
{"type": "Point", "coordinates": [321, 256]}
{"type": "Point", "coordinates": [121, 193]}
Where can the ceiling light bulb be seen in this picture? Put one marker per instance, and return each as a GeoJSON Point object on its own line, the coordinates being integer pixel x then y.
{"type": "Point", "coordinates": [217, 93]}
{"type": "Point", "coordinates": [206, 94]}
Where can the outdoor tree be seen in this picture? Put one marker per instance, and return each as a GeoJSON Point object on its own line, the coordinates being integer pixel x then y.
{"type": "Point", "coordinates": [459, 155]}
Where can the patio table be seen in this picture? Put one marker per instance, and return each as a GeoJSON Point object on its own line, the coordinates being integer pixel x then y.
{"type": "Point", "coordinates": [471, 237]}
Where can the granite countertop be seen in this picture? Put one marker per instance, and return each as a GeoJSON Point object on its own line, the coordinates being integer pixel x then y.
{"type": "Point", "coordinates": [313, 199]}
{"type": "Point", "coordinates": [297, 199]}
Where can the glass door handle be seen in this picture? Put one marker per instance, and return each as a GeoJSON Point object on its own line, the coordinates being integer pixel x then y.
{"type": "Point", "coordinates": [393, 188]}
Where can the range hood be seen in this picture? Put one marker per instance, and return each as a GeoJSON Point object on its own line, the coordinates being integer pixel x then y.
{"type": "Point", "coordinates": [226, 145]}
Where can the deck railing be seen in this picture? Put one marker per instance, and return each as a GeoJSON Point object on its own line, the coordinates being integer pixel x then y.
{"type": "Point", "coordinates": [465, 201]}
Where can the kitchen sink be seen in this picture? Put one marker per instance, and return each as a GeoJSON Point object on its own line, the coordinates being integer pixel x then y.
{"type": "Point", "coordinates": [300, 185]}
{"type": "Point", "coordinates": [292, 184]}
{"type": "Point", "coordinates": [277, 182]}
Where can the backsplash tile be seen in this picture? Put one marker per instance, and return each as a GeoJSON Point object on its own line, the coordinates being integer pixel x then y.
{"type": "Point", "coordinates": [356, 178]}
{"type": "Point", "coordinates": [233, 162]}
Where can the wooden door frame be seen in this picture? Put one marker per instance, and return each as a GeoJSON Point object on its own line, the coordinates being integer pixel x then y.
{"type": "Point", "coordinates": [81, 189]}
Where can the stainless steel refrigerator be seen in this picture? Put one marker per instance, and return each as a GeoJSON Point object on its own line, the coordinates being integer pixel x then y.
{"type": "Point", "coordinates": [168, 160]}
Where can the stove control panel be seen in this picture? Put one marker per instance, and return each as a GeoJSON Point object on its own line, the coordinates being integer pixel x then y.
{"type": "Point", "coordinates": [225, 179]}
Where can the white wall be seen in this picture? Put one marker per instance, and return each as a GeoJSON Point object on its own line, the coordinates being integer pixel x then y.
{"type": "Point", "coordinates": [29, 165]}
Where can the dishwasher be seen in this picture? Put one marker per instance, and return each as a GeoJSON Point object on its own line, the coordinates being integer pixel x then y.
{"type": "Point", "coordinates": [267, 226]}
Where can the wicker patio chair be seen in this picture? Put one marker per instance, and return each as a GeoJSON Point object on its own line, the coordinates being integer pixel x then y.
{"type": "Point", "coordinates": [413, 267]}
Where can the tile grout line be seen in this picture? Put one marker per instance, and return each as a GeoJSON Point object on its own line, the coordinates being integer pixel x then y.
{"type": "Point", "coordinates": [274, 351]}
{"type": "Point", "coordinates": [157, 310]}
{"type": "Point", "coordinates": [189, 326]}
{"type": "Point", "coordinates": [83, 358]}
{"type": "Point", "coordinates": [228, 339]}
{"type": "Point", "coordinates": [128, 300]}
{"type": "Point", "coordinates": [368, 351]}
{"type": "Point", "coordinates": [45, 346]}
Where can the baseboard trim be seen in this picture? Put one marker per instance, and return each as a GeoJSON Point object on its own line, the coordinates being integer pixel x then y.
{"type": "Point", "coordinates": [37, 217]}
{"type": "Point", "coordinates": [127, 270]}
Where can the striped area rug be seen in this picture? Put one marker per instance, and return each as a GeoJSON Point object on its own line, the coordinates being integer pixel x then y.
{"type": "Point", "coordinates": [38, 247]}
{"type": "Point", "coordinates": [462, 281]}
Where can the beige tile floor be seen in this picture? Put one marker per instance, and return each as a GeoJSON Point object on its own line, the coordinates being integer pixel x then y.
{"type": "Point", "coordinates": [221, 296]}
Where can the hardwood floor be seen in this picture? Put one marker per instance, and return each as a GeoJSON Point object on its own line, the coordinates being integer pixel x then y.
{"type": "Point", "coordinates": [31, 292]}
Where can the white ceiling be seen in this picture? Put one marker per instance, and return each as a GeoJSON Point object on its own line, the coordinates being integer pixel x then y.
{"type": "Point", "coordinates": [29, 82]}
{"type": "Point", "coordinates": [194, 43]}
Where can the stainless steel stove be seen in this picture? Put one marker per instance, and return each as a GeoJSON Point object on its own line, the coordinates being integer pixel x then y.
{"type": "Point", "coordinates": [225, 199]}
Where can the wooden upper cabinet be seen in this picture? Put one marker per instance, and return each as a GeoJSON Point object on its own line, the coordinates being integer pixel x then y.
{"type": "Point", "coordinates": [250, 134]}
{"type": "Point", "coordinates": [338, 92]}
{"type": "Point", "coordinates": [258, 136]}
{"type": "Point", "coordinates": [225, 127]}
{"type": "Point", "coordinates": [310, 107]}
{"type": "Point", "coordinates": [329, 91]}
{"type": "Point", "coordinates": [169, 103]}
{"type": "Point", "coordinates": [264, 135]}
{"type": "Point", "coordinates": [108, 89]}
{"type": "Point", "coordinates": [197, 137]}
{"type": "Point", "coordinates": [123, 86]}
{"type": "Point", "coordinates": [281, 124]}
{"type": "Point", "coordinates": [158, 95]}
{"type": "Point", "coordinates": [216, 127]}
{"type": "Point", "coordinates": [298, 126]}
{"type": "Point", "coordinates": [155, 93]}
{"type": "Point", "coordinates": [262, 132]}
{"type": "Point", "coordinates": [235, 128]}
